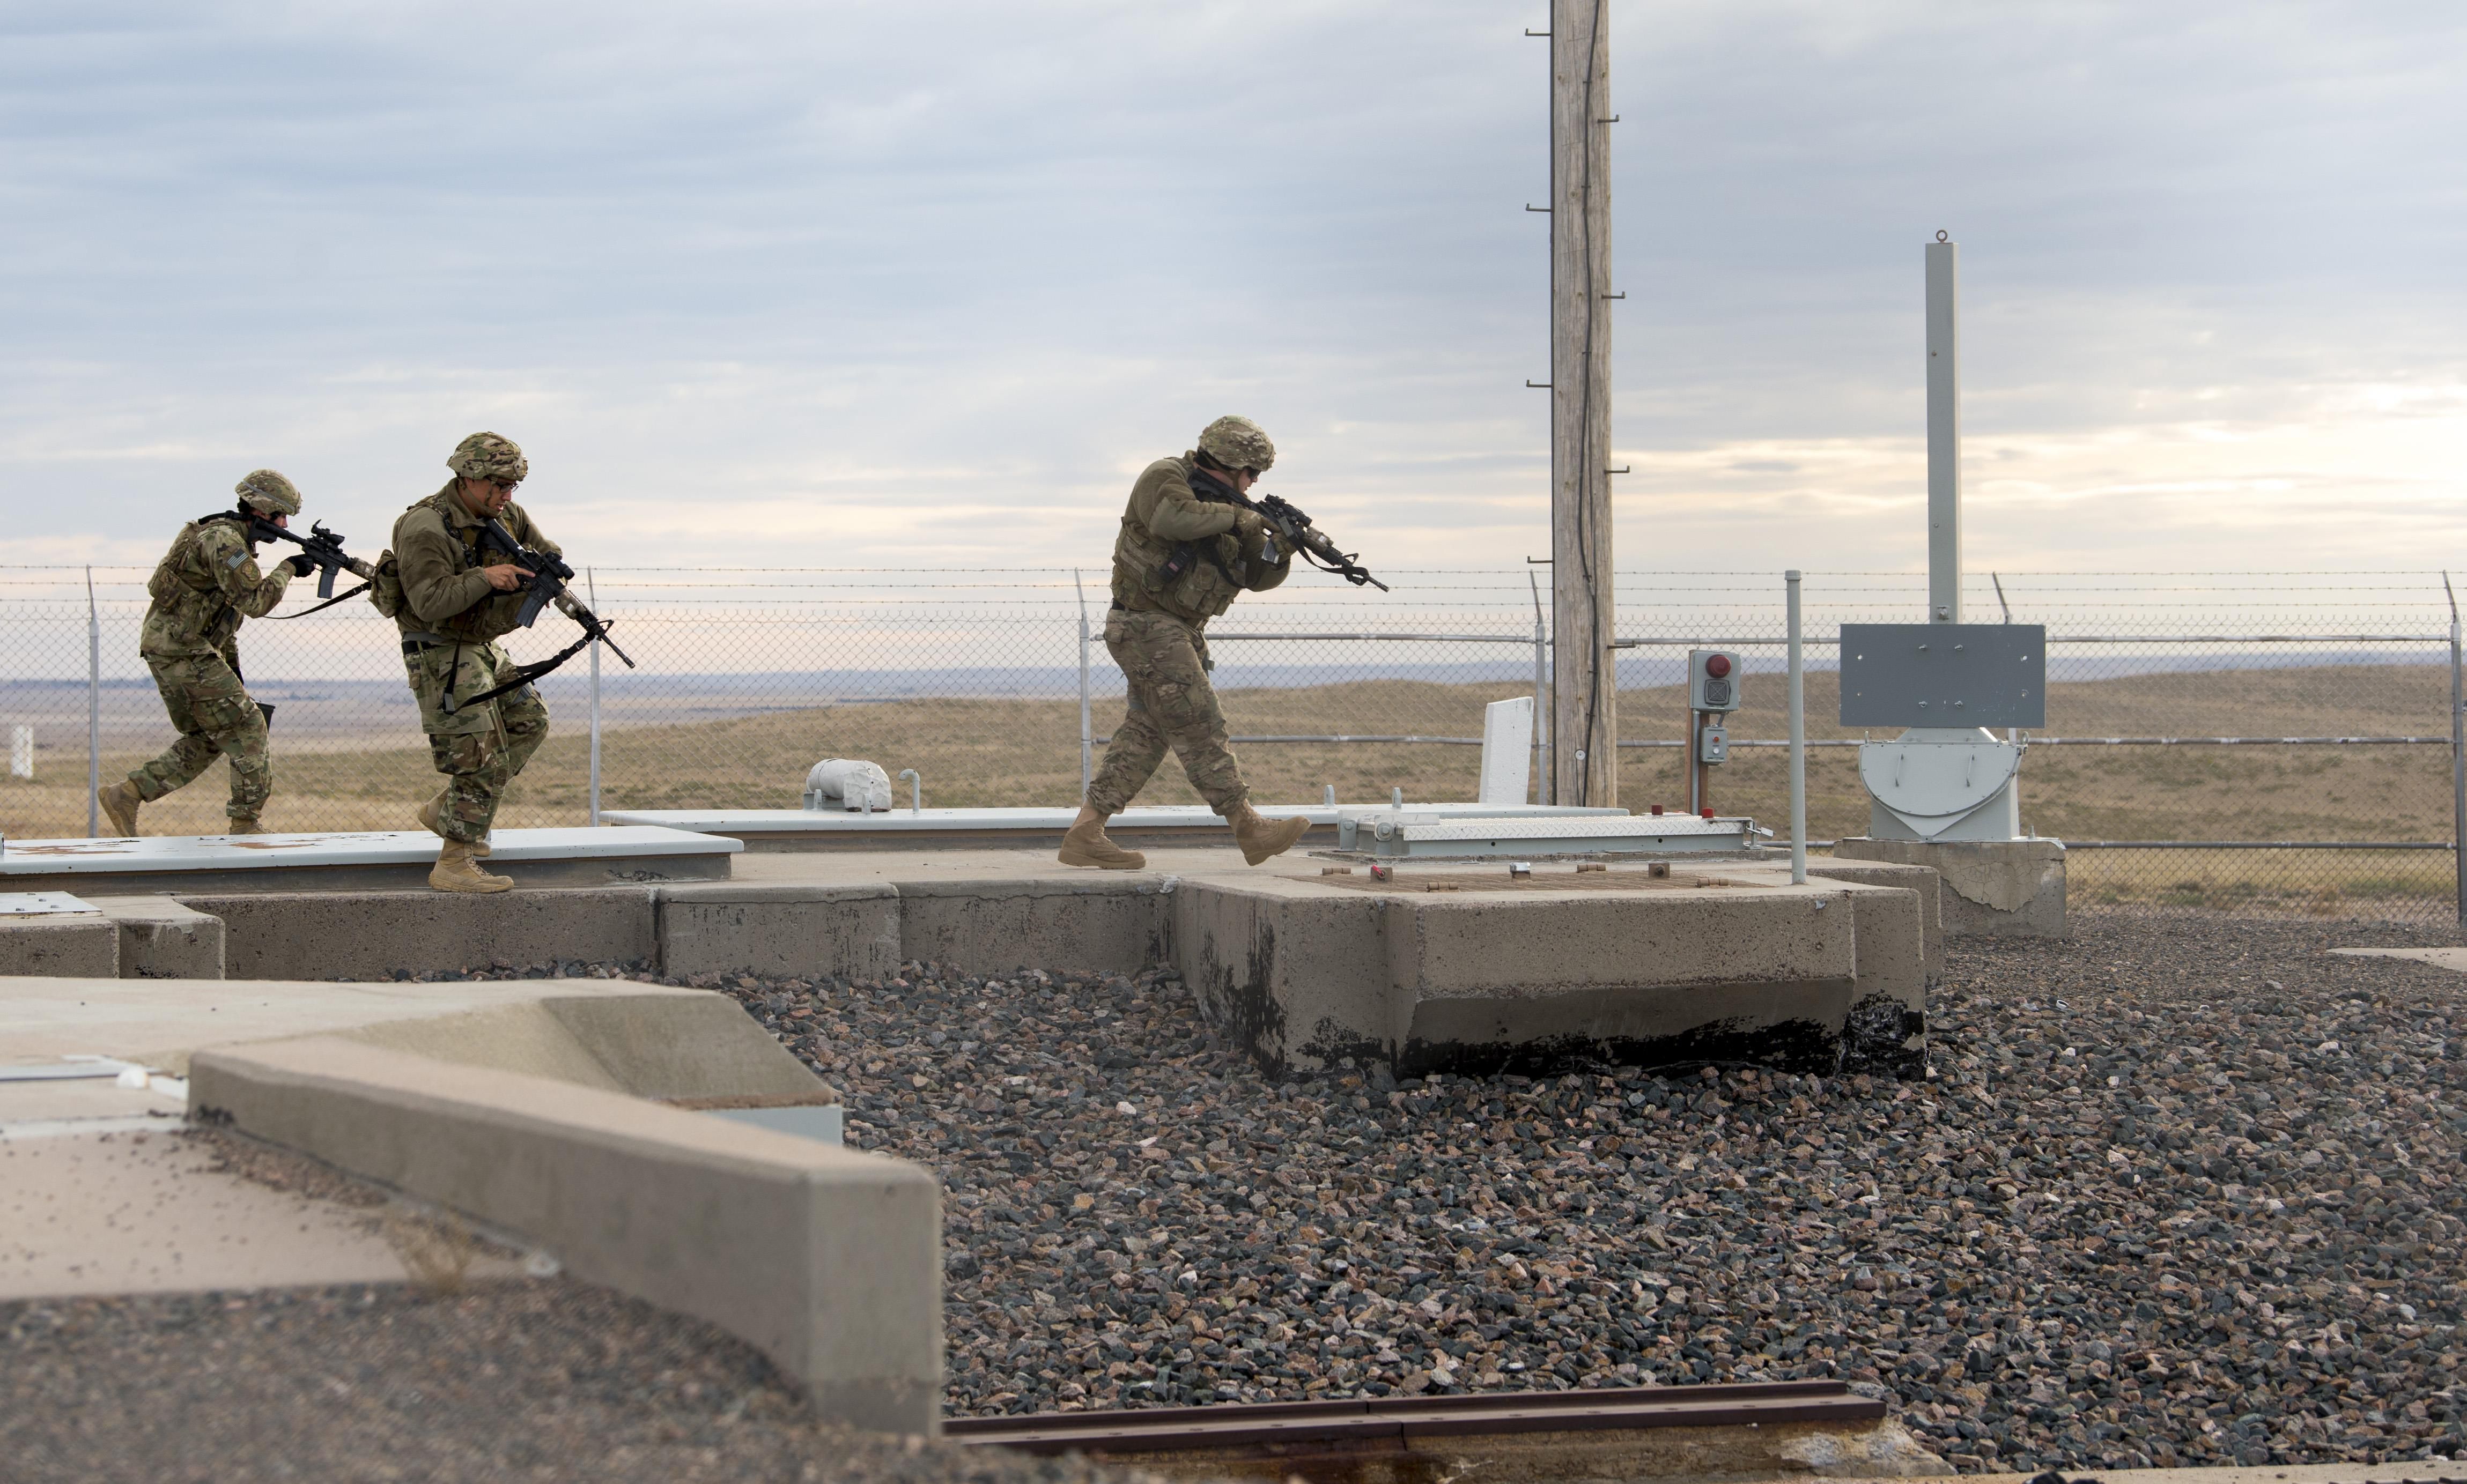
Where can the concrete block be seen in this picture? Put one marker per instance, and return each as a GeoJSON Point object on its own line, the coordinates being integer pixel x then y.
{"type": "Point", "coordinates": [724, 927]}
{"type": "Point", "coordinates": [161, 939]}
{"type": "Point", "coordinates": [1992, 889]}
{"type": "Point", "coordinates": [63, 946]}
{"type": "Point", "coordinates": [1886, 1028]}
{"type": "Point", "coordinates": [375, 934]}
{"type": "Point", "coordinates": [1120, 922]}
{"type": "Point", "coordinates": [1921, 879]}
{"type": "Point", "coordinates": [826, 1259]}
{"type": "Point", "coordinates": [1304, 974]}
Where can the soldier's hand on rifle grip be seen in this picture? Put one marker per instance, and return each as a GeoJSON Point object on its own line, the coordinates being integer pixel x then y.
{"type": "Point", "coordinates": [300, 565]}
{"type": "Point", "coordinates": [505, 576]}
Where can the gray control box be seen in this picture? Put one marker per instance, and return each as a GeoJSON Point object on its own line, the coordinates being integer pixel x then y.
{"type": "Point", "coordinates": [1944, 675]}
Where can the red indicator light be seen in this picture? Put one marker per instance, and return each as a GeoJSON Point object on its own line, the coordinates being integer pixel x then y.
{"type": "Point", "coordinates": [1709, 813]}
{"type": "Point", "coordinates": [1717, 666]}
{"type": "Point", "coordinates": [1657, 808]}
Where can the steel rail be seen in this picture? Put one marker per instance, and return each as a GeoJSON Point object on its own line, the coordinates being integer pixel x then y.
{"type": "Point", "coordinates": [1775, 641]}
{"type": "Point", "coordinates": [1389, 1424]}
{"type": "Point", "coordinates": [1739, 742]}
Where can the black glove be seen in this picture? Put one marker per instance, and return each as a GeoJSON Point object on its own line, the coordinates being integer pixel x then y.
{"type": "Point", "coordinates": [300, 565]}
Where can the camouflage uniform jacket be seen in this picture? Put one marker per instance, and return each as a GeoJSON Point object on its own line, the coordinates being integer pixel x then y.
{"type": "Point", "coordinates": [437, 550]}
{"type": "Point", "coordinates": [205, 586]}
{"type": "Point", "coordinates": [1164, 514]}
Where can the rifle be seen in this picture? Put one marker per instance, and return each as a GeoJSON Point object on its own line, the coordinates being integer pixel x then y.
{"type": "Point", "coordinates": [320, 546]}
{"type": "Point", "coordinates": [546, 585]}
{"type": "Point", "coordinates": [1310, 542]}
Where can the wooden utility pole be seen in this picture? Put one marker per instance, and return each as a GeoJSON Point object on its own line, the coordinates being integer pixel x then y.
{"type": "Point", "coordinates": [1585, 696]}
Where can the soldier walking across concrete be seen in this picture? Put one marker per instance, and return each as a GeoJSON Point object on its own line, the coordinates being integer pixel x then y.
{"type": "Point", "coordinates": [207, 585]}
{"type": "Point", "coordinates": [1189, 545]}
{"type": "Point", "coordinates": [452, 600]}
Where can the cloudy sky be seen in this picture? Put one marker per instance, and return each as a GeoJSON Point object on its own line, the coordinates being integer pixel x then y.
{"type": "Point", "coordinates": [833, 284]}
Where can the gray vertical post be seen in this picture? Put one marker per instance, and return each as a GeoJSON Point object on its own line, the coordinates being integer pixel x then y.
{"type": "Point", "coordinates": [1087, 727]}
{"type": "Point", "coordinates": [1944, 430]}
{"type": "Point", "coordinates": [1542, 794]}
{"type": "Point", "coordinates": [591, 584]}
{"type": "Point", "coordinates": [2457, 757]}
{"type": "Point", "coordinates": [93, 711]}
{"type": "Point", "coordinates": [1797, 739]}
{"type": "Point", "coordinates": [1585, 731]}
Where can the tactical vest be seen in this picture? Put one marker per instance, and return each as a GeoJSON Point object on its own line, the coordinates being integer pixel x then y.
{"type": "Point", "coordinates": [189, 608]}
{"type": "Point", "coordinates": [486, 619]}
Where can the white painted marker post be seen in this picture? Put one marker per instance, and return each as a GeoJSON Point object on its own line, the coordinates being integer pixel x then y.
{"type": "Point", "coordinates": [1798, 740]}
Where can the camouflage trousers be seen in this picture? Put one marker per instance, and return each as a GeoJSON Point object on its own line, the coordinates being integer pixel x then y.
{"type": "Point", "coordinates": [212, 711]}
{"type": "Point", "coordinates": [480, 749]}
{"type": "Point", "coordinates": [1165, 662]}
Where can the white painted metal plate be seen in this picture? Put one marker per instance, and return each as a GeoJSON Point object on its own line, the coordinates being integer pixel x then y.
{"type": "Point", "coordinates": [1506, 750]}
{"type": "Point", "coordinates": [44, 904]}
{"type": "Point", "coordinates": [758, 822]}
{"type": "Point", "coordinates": [1936, 780]}
{"type": "Point", "coordinates": [376, 847]}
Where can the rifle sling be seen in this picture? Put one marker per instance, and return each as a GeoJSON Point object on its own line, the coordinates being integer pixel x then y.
{"type": "Point", "coordinates": [525, 674]}
{"type": "Point", "coordinates": [328, 603]}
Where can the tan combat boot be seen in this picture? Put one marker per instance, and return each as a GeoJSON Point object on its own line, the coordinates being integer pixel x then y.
{"type": "Point", "coordinates": [455, 872]}
{"type": "Point", "coordinates": [240, 826]}
{"type": "Point", "coordinates": [120, 803]}
{"type": "Point", "coordinates": [1261, 837]}
{"type": "Point", "coordinates": [1086, 844]}
{"type": "Point", "coordinates": [433, 811]}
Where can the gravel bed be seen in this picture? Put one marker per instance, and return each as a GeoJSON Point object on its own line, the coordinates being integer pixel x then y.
{"type": "Point", "coordinates": [550, 1381]}
{"type": "Point", "coordinates": [2178, 1191]}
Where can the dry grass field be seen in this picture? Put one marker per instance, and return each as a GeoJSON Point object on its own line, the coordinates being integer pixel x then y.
{"type": "Point", "coordinates": [991, 752]}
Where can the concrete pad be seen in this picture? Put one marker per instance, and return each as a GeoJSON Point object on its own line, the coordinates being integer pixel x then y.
{"type": "Point", "coordinates": [376, 934]}
{"type": "Point", "coordinates": [1112, 920]}
{"type": "Point", "coordinates": [828, 1260]}
{"type": "Point", "coordinates": [778, 929]}
{"type": "Point", "coordinates": [84, 944]}
{"type": "Point", "coordinates": [143, 1213]}
{"type": "Point", "coordinates": [376, 859]}
{"type": "Point", "coordinates": [1736, 966]}
{"type": "Point", "coordinates": [160, 1022]}
{"type": "Point", "coordinates": [161, 939]}
{"type": "Point", "coordinates": [2452, 958]}
{"type": "Point", "coordinates": [1992, 889]}
{"type": "Point", "coordinates": [1921, 879]}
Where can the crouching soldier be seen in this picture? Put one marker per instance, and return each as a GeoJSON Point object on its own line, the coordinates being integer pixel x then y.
{"type": "Point", "coordinates": [1189, 545]}
{"type": "Point", "coordinates": [207, 585]}
{"type": "Point", "coordinates": [456, 597]}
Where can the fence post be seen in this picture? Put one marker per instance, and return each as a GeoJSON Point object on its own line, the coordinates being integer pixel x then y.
{"type": "Point", "coordinates": [1087, 732]}
{"type": "Point", "coordinates": [2458, 760]}
{"type": "Point", "coordinates": [1543, 790]}
{"type": "Point", "coordinates": [1797, 739]}
{"type": "Point", "coordinates": [92, 712]}
{"type": "Point", "coordinates": [591, 585]}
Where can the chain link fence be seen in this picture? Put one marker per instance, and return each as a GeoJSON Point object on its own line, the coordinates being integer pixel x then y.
{"type": "Point", "coordinates": [2252, 742]}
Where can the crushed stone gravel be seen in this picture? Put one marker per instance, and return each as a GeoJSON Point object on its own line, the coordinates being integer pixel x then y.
{"type": "Point", "coordinates": [541, 1379]}
{"type": "Point", "coordinates": [2178, 1191]}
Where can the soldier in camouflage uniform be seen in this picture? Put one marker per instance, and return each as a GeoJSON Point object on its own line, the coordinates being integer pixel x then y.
{"type": "Point", "coordinates": [1189, 543]}
{"type": "Point", "coordinates": [452, 600]}
{"type": "Point", "coordinates": [205, 587]}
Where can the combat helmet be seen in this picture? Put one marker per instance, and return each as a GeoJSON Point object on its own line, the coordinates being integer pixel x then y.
{"type": "Point", "coordinates": [490, 455]}
{"type": "Point", "coordinates": [1237, 443]}
{"type": "Point", "coordinates": [268, 493]}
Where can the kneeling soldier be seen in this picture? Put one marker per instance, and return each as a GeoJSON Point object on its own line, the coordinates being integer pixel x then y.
{"type": "Point", "coordinates": [206, 586]}
{"type": "Point", "coordinates": [455, 602]}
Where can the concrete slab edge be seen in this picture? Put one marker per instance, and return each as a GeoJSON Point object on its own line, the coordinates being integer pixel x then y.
{"type": "Point", "coordinates": [826, 1259]}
